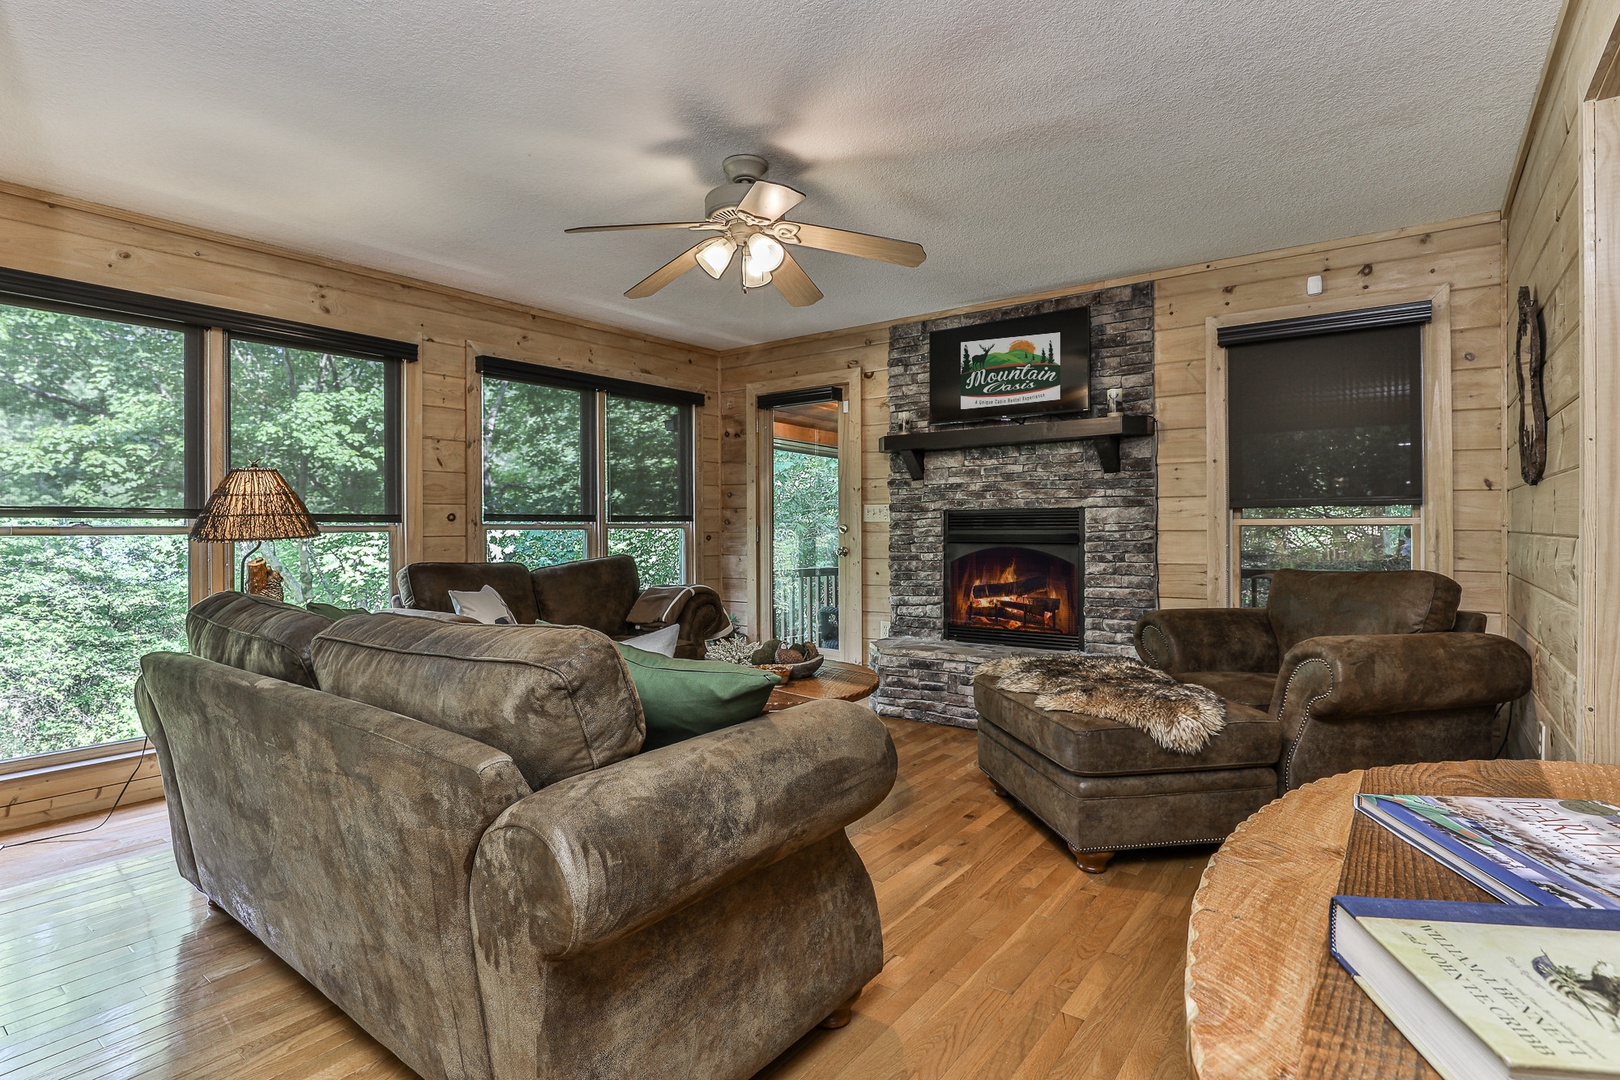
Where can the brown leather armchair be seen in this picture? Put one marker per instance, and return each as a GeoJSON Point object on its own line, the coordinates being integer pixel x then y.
{"type": "Point", "coordinates": [1360, 668]}
{"type": "Point", "coordinates": [596, 593]}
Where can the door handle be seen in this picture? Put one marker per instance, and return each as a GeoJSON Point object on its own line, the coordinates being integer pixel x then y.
{"type": "Point", "coordinates": [843, 528]}
{"type": "Point", "coordinates": [843, 552]}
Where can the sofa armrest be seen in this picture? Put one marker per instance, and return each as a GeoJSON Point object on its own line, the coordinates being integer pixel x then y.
{"type": "Point", "coordinates": [1207, 639]}
{"type": "Point", "coordinates": [598, 856]}
{"type": "Point", "coordinates": [1385, 674]}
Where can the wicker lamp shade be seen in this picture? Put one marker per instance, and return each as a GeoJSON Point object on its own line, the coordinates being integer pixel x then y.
{"type": "Point", "coordinates": [254, 504]}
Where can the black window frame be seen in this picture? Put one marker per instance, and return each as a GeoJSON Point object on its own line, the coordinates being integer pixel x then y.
{"type": "Point", "coordinates": [22, 288]}
{"type": "Point", "coordinates": [593, 442]}
{"type": "Point", "coordinates": [393, 434]}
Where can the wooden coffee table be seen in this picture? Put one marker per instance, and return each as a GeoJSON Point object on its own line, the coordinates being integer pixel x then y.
{"type": "Point", "coordinates": [1264, 996]}
{"type": "Point", "coordinates": [834, 679]}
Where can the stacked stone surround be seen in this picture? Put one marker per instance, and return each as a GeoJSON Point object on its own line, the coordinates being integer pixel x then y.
{"type": "Point", "coordinates": [1121, 570]}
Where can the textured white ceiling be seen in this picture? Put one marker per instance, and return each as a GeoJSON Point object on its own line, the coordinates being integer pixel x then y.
{"type": "Point", "coordinates": [1027, 145]}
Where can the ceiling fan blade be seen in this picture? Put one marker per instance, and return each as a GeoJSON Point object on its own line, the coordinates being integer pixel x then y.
{"type": "Point", "coordinates": [649, 225]}
{"type": "Point", "coordinates": [680, 264]}
{"type": "Point", "coordinates": [861, 245]}
{"type": "Point", "coordinates": [794, 283]}
{"type": "Point", "coordinates": [769, 201]}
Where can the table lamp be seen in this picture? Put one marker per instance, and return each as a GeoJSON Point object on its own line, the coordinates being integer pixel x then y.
{"type": "Point", "coordinates": [256, 504]}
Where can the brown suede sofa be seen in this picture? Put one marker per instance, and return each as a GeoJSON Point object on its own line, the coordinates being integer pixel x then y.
{"type": "Point", "coordinates": [597, 593]}
{"type": "Point", "coordinates": [1340, 671]}
{"type": "Point", "coordinates": [448, 829]}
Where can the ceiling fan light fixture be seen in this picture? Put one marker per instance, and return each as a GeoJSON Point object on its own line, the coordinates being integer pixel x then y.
{"type": "Point", "coordinates": [714, 255]}
{"type": "Point", "coordinates": [764, 253]}
{"type": "Point", "coordinates": [753, 275]}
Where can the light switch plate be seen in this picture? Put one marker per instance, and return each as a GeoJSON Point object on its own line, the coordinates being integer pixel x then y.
{"type": "Point", "coordinates": [876, 512]}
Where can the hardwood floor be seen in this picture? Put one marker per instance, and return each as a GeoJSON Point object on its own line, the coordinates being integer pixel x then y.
{"type": "Point", "coordinates": [1003, 960]}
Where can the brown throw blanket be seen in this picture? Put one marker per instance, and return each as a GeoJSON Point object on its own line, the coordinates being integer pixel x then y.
{"type": "Point", "coordinates": [1176, 716]}
{"type": "Point", "coordinates": [659, 604]}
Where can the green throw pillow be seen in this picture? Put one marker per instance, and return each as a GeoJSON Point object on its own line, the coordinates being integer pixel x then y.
{"type": "Point", "coordinates": [333, 612]}
{"type": "Point", "coordinates": [686, 698]}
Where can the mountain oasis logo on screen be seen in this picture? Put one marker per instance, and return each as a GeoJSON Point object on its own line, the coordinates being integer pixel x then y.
{"type": "Point", "coordinates": [998, 372]}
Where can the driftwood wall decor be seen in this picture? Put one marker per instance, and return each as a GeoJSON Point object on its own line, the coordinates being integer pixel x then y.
{"type": "Point", "coordinates": [1529, 361]}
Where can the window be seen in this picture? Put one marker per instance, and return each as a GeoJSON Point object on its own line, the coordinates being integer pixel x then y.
{"type": "Point", "coordinates": [577, 468]}
{"type": "Point", "coordinates": [104, 461]}
{"type": "Point", "coordinates": [96, 475]}
{"type": "Point", "coordinates": [326, 421]}
{"type": "Point", "coordinates": [1325, 444]}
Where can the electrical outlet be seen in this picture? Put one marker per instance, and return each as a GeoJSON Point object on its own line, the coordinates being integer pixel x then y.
{"type": "Point", "coordinates": [876, 512]}
{"type": "Point", "coordinates": [883, 628]}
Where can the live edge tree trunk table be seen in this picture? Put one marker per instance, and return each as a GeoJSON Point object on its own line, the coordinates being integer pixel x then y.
{"type": "Point", "coordinates": [1264, 997]}
{"type": "Point", "coordinates": [834, 679]}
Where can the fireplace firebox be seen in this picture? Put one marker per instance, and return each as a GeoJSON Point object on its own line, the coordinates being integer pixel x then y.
{"type": "Point", "coordinates": [1013, 577]}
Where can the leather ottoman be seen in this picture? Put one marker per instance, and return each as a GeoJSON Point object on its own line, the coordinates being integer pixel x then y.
{"type": "Point", "coordinates": [1105, 787]}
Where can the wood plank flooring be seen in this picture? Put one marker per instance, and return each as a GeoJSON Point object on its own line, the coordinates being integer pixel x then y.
{"type": "Point", "coordinates": [1003, 960]}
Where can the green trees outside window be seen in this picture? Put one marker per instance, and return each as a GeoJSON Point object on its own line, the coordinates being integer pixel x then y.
{"type": "Point", "coordinates": [1319, 538]}
{"type": "Point", "coordinates": [101, 465]}
{"type": "Point", "coordinates": [572, 473]}
{"type": "Point", "coordinates": [92, 445]}
{"type": "Point", "coordinates": [321, 419]}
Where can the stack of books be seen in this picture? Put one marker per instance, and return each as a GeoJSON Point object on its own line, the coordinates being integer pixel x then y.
{"type": "Point", "coordinates": [1528, 988]}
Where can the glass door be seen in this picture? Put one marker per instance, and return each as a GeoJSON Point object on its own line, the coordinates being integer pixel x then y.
{"type": "Point", "coordinates": [805, 542]}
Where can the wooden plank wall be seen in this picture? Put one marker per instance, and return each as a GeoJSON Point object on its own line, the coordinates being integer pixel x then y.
{"type": "Point", "coordinates": [1465, 255]}
{"type": "Point", "coordinates": [1545, 241]}
{"type": "Point", "coordinates": [865, 349]}
{"type": "Point", "coordinates": [70, 239]}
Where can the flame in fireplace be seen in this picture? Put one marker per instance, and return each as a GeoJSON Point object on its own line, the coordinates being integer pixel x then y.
{"type": "Point", "coordinates": [1013, 588]}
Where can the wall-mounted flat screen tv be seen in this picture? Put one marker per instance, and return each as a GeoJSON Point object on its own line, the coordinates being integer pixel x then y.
{"type": "Point", "coordinates": [1013, 368]}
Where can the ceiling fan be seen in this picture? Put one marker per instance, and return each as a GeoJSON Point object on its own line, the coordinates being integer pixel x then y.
{"type": "Point", "coordinates": [746, 215]}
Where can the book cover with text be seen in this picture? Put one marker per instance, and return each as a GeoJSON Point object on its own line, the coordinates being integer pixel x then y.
{"type": "Point", "coordinates": [1521, 850]}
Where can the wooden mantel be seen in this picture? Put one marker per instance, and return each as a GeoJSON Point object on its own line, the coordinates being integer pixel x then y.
{"type": "Point", "coordinates": [1105, 431]}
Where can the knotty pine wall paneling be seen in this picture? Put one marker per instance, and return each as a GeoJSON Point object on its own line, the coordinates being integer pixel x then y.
{"type": "Point", "coordinates": [1545, 245]}
{"type": "Point", "coordinates": [1363, 272]}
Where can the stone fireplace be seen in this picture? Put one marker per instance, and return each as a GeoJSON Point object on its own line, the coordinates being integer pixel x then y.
{"type": "Point", "coordinates": [927, 662]}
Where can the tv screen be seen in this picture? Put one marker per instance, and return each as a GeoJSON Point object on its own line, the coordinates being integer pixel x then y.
{"type": "Point", "coordinates": [1026, 366]}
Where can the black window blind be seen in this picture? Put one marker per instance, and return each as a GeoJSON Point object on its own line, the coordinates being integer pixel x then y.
{"type": "Point", "coordinates": [1332, 418]}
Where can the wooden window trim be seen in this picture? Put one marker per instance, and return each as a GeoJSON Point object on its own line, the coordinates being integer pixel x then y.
{"type": "Point", "coordinates": [1434, 552]}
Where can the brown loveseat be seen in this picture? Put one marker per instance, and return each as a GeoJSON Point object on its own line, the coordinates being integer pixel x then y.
{"type": "Point", "coordinates": [456, 840]}
{"type": "Point", "coordinates": [1340, 671]}
{"type": "Point", "coordinates": [598, 593]}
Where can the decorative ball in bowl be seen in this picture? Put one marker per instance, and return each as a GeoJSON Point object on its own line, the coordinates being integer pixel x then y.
{"type": "Point", "coordinates": [800, 661]}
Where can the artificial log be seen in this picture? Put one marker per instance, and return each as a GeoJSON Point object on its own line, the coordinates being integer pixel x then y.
{"type": "Point", "coordinates": [1009, 588]}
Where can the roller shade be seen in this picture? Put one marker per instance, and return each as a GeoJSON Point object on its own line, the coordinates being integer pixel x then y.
{"type": "Point", "coordinates": [1333, 418]}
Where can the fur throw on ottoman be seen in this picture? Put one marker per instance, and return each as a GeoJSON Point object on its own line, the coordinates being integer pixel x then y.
{"type": "Point", "coordinates": [1176, 716]}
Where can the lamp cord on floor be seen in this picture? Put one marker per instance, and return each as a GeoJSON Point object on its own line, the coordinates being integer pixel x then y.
{"type": "Point", "coordinates": [140, 759]}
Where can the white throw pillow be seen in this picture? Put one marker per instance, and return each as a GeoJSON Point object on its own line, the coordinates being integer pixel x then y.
{"type": "Point", "coordinates": [485, 605]}
{"type": "Point", "coordinates": [661, 642]}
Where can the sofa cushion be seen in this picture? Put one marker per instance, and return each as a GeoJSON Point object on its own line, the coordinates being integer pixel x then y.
{"type": "Point", "coordinates": [1089, 746]}
{"type": "Point", "coordinates": [556, 698]}
{"type": "Point", "coordinates": [428, 585]}
{"type": "Point", "coordinates": [255, 633]}
{"type": "Point", "coordinates": [1328, 603]}
{"type": "Point", "coordinates": [685, 698]}
{"type": "Point", "coordinates": [1244, 687]}
{"type": "Point", "coordinates": [597, 593]}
